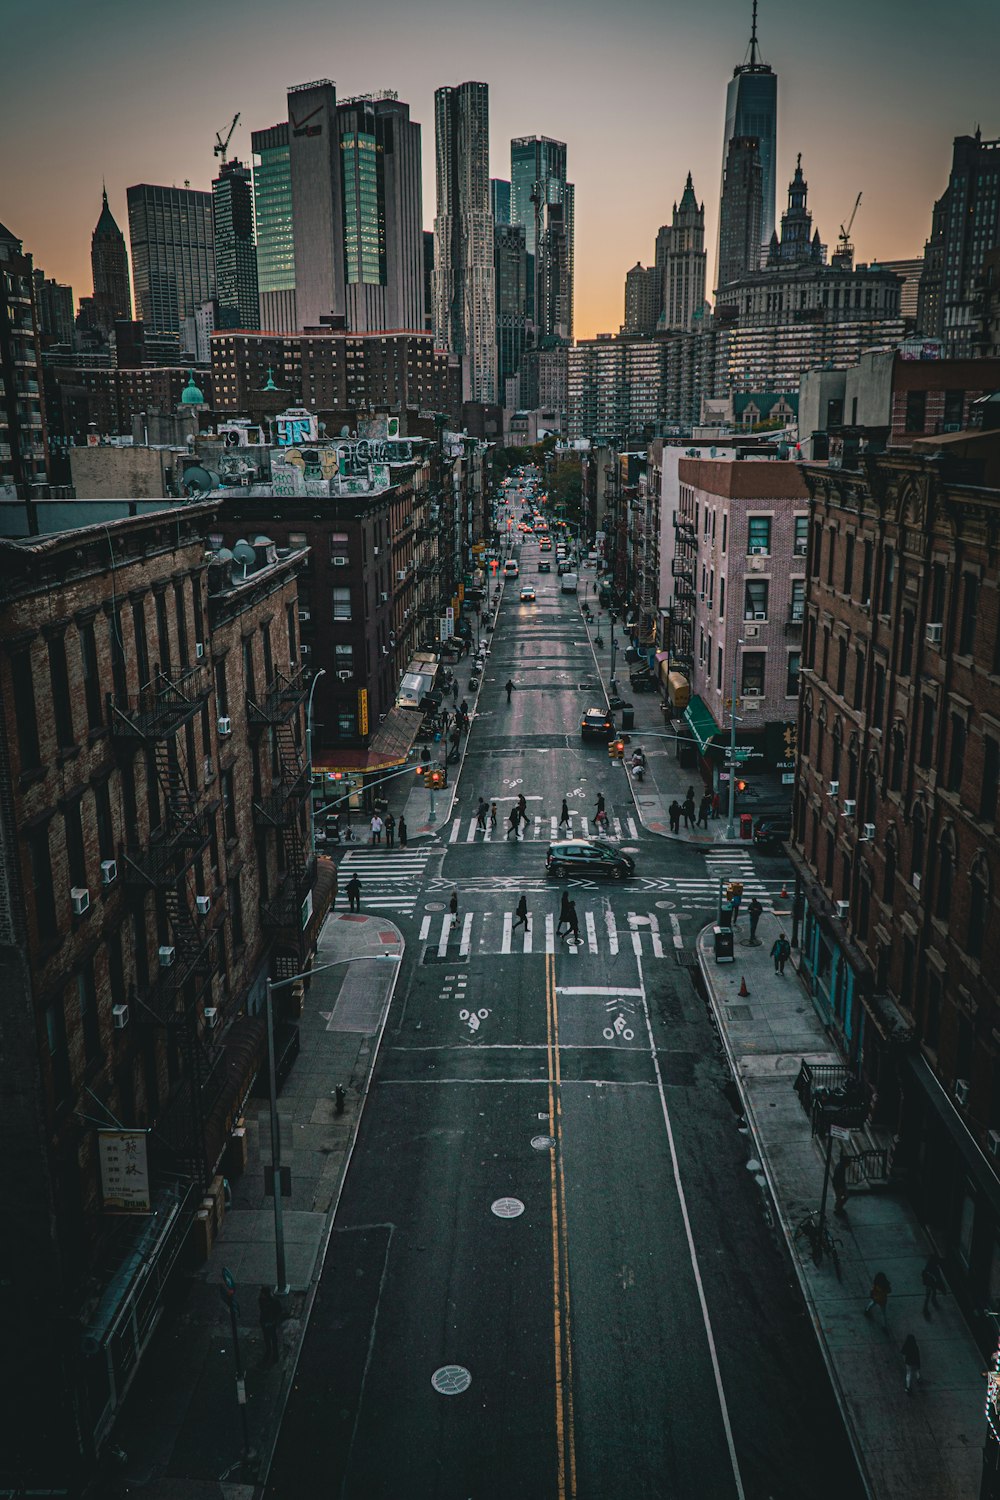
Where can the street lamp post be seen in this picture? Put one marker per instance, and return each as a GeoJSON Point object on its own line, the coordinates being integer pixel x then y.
{"type": "Point", "coordinates": [272, 986]}
{"type": "Point", "coordinates": [309, 757]}
{"type": "Point", "coordinates": [731, 825]}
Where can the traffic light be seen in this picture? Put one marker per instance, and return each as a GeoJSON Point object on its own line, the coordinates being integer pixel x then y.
{"type": "Point", "coordinates": [436, 780]}
{"type": "Point", "coordinates": [741, 786]}
{"type": "Point", "coordinates": [419, 770]}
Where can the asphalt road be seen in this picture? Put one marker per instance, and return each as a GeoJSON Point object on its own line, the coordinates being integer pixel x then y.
{"type": "Point", "coordinates": [549, 1200]}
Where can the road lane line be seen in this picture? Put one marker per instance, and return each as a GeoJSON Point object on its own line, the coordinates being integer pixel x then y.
{"type": "Point", "coordinates": [508, 922]}
{"type": "Point", "coordinates": [675, 923]}
{"type": "Point", "coordinates": [463, 946]}
{"type": "Point", "coordinates": [612, 930]}
{"type": "Point", "coordinates": [565, 1425]}
{"type": "Point", "coordinates": [470, 837]}
{"type": "Point", "coordinates": [527, 937]}
{"type": "Point", "coordinates": [617, 827]}
{"type": "Point", "coordinates": [456, 829]}
{"type": "Point", "coordinates": [597, 989]}
{"type": "Point", "coordinates": [445, 931]}
{"type": "Point", "coordinates": [591, 931]}
{"type": "Point", "coordinates": [550, 933]}
{"type": "Point", "coordinates": [636, 942]}
{"type": "Point", "coordinates": [654, 933]}
{"type": "Point", "coordinates": [585, 825]}
{"type": "Point", "coordinates": [633, 832]}
{"type": "Point", "coordinates": [425, 928]}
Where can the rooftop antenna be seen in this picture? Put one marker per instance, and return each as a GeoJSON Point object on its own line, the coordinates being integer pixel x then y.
{"type": "Point", "coordinates": [753, 37]}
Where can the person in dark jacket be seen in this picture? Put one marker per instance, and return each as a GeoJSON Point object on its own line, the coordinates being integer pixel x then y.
{"type": "Point", "coordinates": [403, 832]}
{"type": "Point", "coordinates": [564, 815]}
{"type": "Point", "coordinates": [564, 913]}
{"type": "Point", "coordinates": [674, 811]}
{"type": "Point", "coordinates": [911, 1363]}
{"type": "Point", "coordinates": [353, 889]}
{"type": "Point", "coordinates": [522, 915]}
{"type": "Point", "coordinates": [755, 911]}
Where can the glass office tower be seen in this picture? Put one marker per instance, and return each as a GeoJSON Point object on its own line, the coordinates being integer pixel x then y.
{"type": "Point", "coordinates": [272, 187]}
{"type": "Point", "coordinates": [752, 110]}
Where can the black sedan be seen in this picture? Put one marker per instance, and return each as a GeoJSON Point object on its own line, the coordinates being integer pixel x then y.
{"type": "Point", "coordinates": [597, 724]}
{"type": "Point", "coordinates": [587, 856]}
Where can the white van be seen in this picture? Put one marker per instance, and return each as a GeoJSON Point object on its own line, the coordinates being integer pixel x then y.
{"type": "Point", "coordinates": [510, 568]}
{"type": "Point", "coordinates": [568, 584]}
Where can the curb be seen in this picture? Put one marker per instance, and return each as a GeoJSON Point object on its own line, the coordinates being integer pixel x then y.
{"type": "Point", "coordinates": [804, 1287]}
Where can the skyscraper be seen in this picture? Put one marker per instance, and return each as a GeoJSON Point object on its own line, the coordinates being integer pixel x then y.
{"type": "Point", "coordinates": [317, 201]}
{"type": "Point", "coordinates": [235, 250]}
{"type": "Point", "coordinates": [752, 110]}
{"type": "Point", "coordinates": [23, 435]}
{"type": "Point", "coordinates": [538, 178]}
{"type": "Point", "coordinates": [173, 254]}
{"type": "Point", "coordinates": [464, 272]}
{"type": "Point", "coordinates": [965, 225]}
{"type": "Point", "coordinates": [510, 262]}
{"type": "Point", "coordinates": [109, 262]}
{"type": "Point", "coordinates": [643, 299]}
{"type": "Point", "coordinates": [682, 250]}
{"type": "Point", "coordinates": [500, 200]}
{"type": "Point", "coordinates": [272, 191]}
{"type": "Point", "coordinates": [740, 211]}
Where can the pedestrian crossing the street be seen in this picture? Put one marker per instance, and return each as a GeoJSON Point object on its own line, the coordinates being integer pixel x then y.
{"type": "Point", "coordinates": [468, 830]}
{"type": "Point", "coordinates": [390, 878]}
{"type": "Point", "coordinates": [600, 932]}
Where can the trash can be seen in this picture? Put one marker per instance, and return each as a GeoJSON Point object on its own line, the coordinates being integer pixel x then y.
{"type": "Point", "coordinates": [726, 914]}
{"type": "Point", "coordinates": [723, 944]}
{"type": "Point", "coordinates": [628, 718]}
{"type": "Point", "coordinates": [746, 825]}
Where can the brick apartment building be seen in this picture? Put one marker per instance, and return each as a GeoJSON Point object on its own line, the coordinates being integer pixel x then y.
{"type": "Point", "coordinates": [155, 864]}
{"type": "Point", "coordinates": [896, 817]}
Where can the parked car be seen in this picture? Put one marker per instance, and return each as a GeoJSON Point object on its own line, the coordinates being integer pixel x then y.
{"type": "Point", "coordinates": [772, 833]}
{"type": "Point", "coordinates": [587, 856]}
{"type": "Point", "coordinates": [597, 724]}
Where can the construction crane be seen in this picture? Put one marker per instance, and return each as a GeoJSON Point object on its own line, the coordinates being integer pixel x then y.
{"type": "Point", "coordinates": [222, 146]}
{"type": "Point", "coordinates": [845, 234]}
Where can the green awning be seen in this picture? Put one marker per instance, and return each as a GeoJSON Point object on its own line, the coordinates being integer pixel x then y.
{"type": "Point", "coordinates": [698, 718]}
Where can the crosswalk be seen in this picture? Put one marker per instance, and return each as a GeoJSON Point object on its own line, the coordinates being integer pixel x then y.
{"type": "Point", "coordinates": [390, 878]}
{"type": "Point", "coordinates": [724, 863]}
{"type": "Point", "coordinates": [540, 827]}
{"type": "Point", "coordinates": [500, 933]}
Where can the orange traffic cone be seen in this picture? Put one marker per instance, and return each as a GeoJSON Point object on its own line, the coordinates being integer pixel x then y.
{"type": "Point", "coordinates": [743, 991]}
{"type": "Point", "coordinates": [784, 890]}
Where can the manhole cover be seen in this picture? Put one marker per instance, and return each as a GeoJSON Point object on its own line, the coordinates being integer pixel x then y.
{"type": "Point", "coordinates": [635, 921]}
{"type": "Point", "coordinates": [507, 1208]}
{"type": "Point", "coordinates": [753, 1165]}
{"type": "Point", "coordinates": [543, 1142]}
{"type": "Point", "coordinates": [628, 849]}
{"type": "Point", "coordinates": [451, 1380]}
{"type": "Point", "coordinates": [434, 906]}
{"type": "Point", "coordinates": [665, 905]}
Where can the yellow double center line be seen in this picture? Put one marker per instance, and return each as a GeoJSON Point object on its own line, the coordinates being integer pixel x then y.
{"type": "Point", "coordinates": [562, 1336]}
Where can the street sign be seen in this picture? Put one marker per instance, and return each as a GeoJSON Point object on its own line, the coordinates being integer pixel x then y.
{"type": "Point", "coordinates": [742, 752]}
{"type": "Point", "coordinates": [839, 1133]}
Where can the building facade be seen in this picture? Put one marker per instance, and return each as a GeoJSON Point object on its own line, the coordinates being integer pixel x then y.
{"type": "Point", "coordinates": [236, 293]}
{"type": "Point", "coordinates": [537, 184]}
{"type": "Point", "coordinates": [173, 254]}
{"type": "Point", "coordinates": [500, 200]}
{"type": "Point", "coordinates": [681, 249]}
{"type": "Point", "coordinates": [109, 263]}
{"type": "Point", "coordinates": [752, 113]}
{"type": "Point", "coordinates": [965, 227]}
{"type": "Point", "coordinates": [272, 194]}
{"type": "Point", "coordinates": [510, 262]}
{"type": "Point", "coordinates": [464, 275]}
{"type": "Point", "coordinates": [643, 299]}
{"type": "Point", "coordinates": [741, 210]}
{"type": "Point", "coordinates": [23, 431]}
{"type": "Point", "coordinates": [54, 305]}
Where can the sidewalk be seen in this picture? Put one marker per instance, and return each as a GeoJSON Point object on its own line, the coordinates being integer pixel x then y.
{"type": "Point", "coordinates": [180, 1426]}
{"type": "Point", "coordinates": [907, 1447]}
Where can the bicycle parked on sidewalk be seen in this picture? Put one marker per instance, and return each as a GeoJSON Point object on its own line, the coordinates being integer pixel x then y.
{"type": "Point", "coordinates": [820, 1240]}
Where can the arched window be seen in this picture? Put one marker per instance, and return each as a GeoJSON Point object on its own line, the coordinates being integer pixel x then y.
{"type": "Point", "coordinates": [852, 767]}
{"type": "Point", "coordinates": [945, 875]}
{"type": "Point", "coordinates": [897, 759]}
{"type": "Point", "coordinates": [979, 905]}
{"type": "Point", "coordinates": [889, 875]}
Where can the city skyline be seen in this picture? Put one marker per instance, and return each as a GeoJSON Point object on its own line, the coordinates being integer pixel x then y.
{"type": "Point", "coordinates": [897, 106]}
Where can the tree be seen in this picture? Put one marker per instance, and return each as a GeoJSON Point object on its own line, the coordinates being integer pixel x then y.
{"type": "Point", "coordinates": [566, 488]}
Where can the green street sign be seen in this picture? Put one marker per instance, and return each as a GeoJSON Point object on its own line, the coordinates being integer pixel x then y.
{"type": "Point", "coordinates": [742, 752]}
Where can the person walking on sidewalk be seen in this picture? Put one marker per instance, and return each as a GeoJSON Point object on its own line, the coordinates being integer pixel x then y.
{"type": "Point", "coordinates": [674, 813]}
{"type": "Point", "coordinates": [911, 1363]}
{"type": "Point", "coordinates": [269, 1309]}
{"type": "Point", "coordinates": [879, 1297]}
{"type": "Point", "coordinates": [454, 691]}
{"type": "Point", "coordinates": [688, 811]}
{"type": "Point", "coordinates": [354, 894]}
{"type": "Point", "coordinates": [493, 817]}
{"type": "Point", "coordinates": [377, 826]}
{"type": "Point", "coordinates": [481, 812]}
{"type": "Point", "coordinates": [573, 932]}
{"type": "Point", "coordinates": [601, 816]}
{"type": "Point", "coordinates": [933, 1280]}
{"type": "Point", "coordinates": [781, 952]}
{"type": "Point", "coordinates": [704, 808]}
{"type": "Point", "coordinates": [453, 908]}
{"type": "Point", "coordinates": [522, 915]}
{"type": "Point", "coordinates": [513, 818]}
{"type": "Point", "coordinates": [390, 830]}
{"type": "Point", "coordinates": [522, 806]}
{"type": "Point", "coordinates": [716, 804]}
{"type": "Point", "coordinates": [754, 911]}
{"type": "Point", "coordinates": [564, 913]}
{"type": "Point", "coordinates": [508, 688]}
{"type": "Point", "coordinates": [403, 832]}
{"type": "Point", "coordinates": [564, 815]}
{"type": "Point", "coordinates": [839, 1180]}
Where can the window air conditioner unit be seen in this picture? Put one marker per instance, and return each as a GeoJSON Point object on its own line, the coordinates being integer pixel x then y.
{"type": "Point", "coordinates": [225, 725]}
{"type": "Point", "coordinates": [934, 635]}
{"type": "Point", "coordinates": [199, 649]}
{"type": "Point", "coordinates": [401, 576]}
{"type": "Point", "coordinates": [383, 598]}
{"type": "Point", "coordinates": [915, 880]}
{"type": "Point", "coordinates": [305, 614]}
{"type": "Point", "coordinates": [760, 614]}
{"type": "Point", "coordinates": [340, 562]}
{"type": "Point", "coordinates": [752, 693]}
{"type": "Point", "coordinates": [961, 1091]}
{"type": "Point", "coordinates": [833, 789]}
{"type": "Point", "coordinates": [751, 632]}
{"type": "Point", "coordinates": [109, 871]}
{"type": "Point", "coordinates": [119, 1016]}
{"type": "Point", "coordinates": [758, 551]}
{"type": "Point", "coordinates": [849, 807]}
{"type": "Point", "coordinates": [167, 956]}
{"type": "Point", "coordinates": [843, 910]}
{"type": "Point", "coordinates": [993, 1142]}
{"type": "Point", "coordinates": [204, 905]}
{"type": "Point", "coordinates": [211, 1017]}
{"type": "Point", "coordinates": [305, 652]}
{"type": "Point", "coordinates": [869, 831]}
{"type": "Point", "coordinates": [80, 897]}
{"type": "Point", "coordinates": [800, 549]}
{"type": "Point", "coordinates": [345, 674]}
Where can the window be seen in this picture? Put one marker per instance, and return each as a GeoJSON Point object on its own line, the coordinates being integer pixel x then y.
{"type": "Point", "coordinates": [866, 574]}
{"type": "Point", "coordinates": [938, 587]}
{"type": "Point", "coordinates": [199, 624]}
{"type": "Point", "coordinates": [916, 411]}
{"type": "Point", "coordinates": [878, 703]}
{"type": "Point", "coordinates": [979, 895]}
{"type": "Point", "coordinates": [62, 711]}
{"type": "Point", "coordinates": [141, 648]}
{"type": "Point", "coordinates": [801, 535]}
{"type": "Point", "coordinates": [341, 604]}
{"type": "Point", "coordinates": [346, 724]}
{"type": "Point", "coordinates": [268, 658]}
{"type": "Point", "coordinates": [932, 1016]}
{"type": "Point", "coordinates": [722, 597]}
{"type": "Point", "coordinates": [859, 678]}
{"type": "Point", "coordinates": [118, 669]}
{"type": "Point", "coordinates": [946, 875]}
{"type": "Point", "coordinates": [956, 760]}
{"type": "Point", "coordinates": [343, 658]}
{"type": "Point", "coordinates": [897, 759]}
{"type": "Point", "coordinates": [970, 604]}
{"type": "Point", "coordinates": [755, 599]}
{"type": "Point", "coordinates": [725, 528]}
{"type": "Point", "coordinates": [86, 992]}
{"type": "Point", "coordinates": [91, 677]}
{"type": "Point", "coordinates": [105, 826]}
{"type": "Point", "coordinates": [917, 844]}
{"type": "Point", "coordinates": [925, 749]}
{"type": "Point", "coordinates": [888, 579]}
{"type": "Point", "coordinates": [991, 779]}
{"type": "Point", "coordinates": [954, 406]}
{"type": "Point", "coordinates": [182, 635]}
{"type": "Point", "coordinates": [752, 679]}
{"type": "Point", "coordinates": [831, 553]}
{"type": "Point", "coordinates": [792, 674]}
{"type": "Point", "coordinates": [75, 855]}
{"type": "Point", "coordinates": [55, 1032]}
{"type": "Point", "coordinates": [24, 711]}
{"type": "Point", "coordinates": [339, 541]}
{"type": "Point", "coordinates": [41, 884]}
{"type": "Point", "coordinates": [228, 804]}
{"type": "Point", "coordinates": [236, 913]}
{"type": "Point", "coordinates": [841, 666]}
{"type": "Point", "coordinates": [848, 562]}
{"type": "Point", "coordinates": [759, 534]}
{"type": "Point", "coordinates": [797, 607]}
{"type": "Point", "coordinates": [889, 870]}
{"type": "Point", "coordinates": [221, 688]}
{"type": "Point", "coordinates": [906, 643]}
{"type": "Point", "coordinates": [292, 614]}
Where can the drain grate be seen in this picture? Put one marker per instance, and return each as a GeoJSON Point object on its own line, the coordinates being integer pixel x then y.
{"type": "Point", "coordinates": [543, 1142]}
{"type": "Point", "coordinates": [451, 1380]}
{"type": "Point", "coordinates": [507, 1208]}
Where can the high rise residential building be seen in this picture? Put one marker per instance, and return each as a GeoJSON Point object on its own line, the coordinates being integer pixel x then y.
{"type": "Point", "coordinates": [464, 273]}
{"type": "Point", "coordinates": [272, 192]}
{"type": "Point", "coordinates": [54, 306]}
{"type": "Point", "coordinates": [23, 436]}
{"type": "Point", "coordinates": [109, 262]}
{"type": "Point", "coordinates": [235, 250]}
{"type": "Point", "coordinates": [510, 262]}
{"type": "Point", "coordinates": [356, 209]}
{"type": "Point", "coordinates": [910, 271]}
{"type": "Point", "coordinates": [740, 210]}
{"type": "Point", "coordinates": [965, 226]}
{"type": "Point", "coordinates": [173, 253]}
{"type": "Point", "coordinates": [643, 299]}
{"type": "Point", "coordinates": [554, 275]}
{"type": "Point", "coordinates": [538, 179]}
{"type": "Point", "coordinates": [752, 111]}
{"type": "Point", "coordinates": [683, 254]}
{"type": "Point", "coordinates": [500, 200]}
{"type": "Point", "coordinates": [429, 280]}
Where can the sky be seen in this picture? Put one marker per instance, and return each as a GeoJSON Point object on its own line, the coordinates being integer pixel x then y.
{"type": "Point", "coordinates": [872, 92]}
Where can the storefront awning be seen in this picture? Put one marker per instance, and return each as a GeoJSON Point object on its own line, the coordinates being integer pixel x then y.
{"type": "Point", "coordinates": [389, 746]}
{"type": "Point", "coordinates": [698, 718]}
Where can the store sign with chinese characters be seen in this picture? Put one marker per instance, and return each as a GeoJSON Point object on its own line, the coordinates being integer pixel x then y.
{"type": "Point", "coordinates": [124, 1172]}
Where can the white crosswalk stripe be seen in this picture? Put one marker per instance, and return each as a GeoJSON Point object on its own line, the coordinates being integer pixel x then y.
{"type": "Point", "coordinates": [475, 933]}
{"type": "Point", "coordinates": [538, 827]}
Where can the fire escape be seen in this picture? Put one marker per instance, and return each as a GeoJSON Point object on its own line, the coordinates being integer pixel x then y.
{"type": "Point", "coordinates": [178, 998]}
{"type": "Point", "coordinates": [285, 913]}
{"type": "Point", "coordinates": [683, 568]}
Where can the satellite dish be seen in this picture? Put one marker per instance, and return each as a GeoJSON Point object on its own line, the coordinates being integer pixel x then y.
{"type": "Point", "coordinates": [244, 554]}
{"type": "Point", "coordinates": [223, 555]}
{"type": "Point", "coordinates": [345, 432]}
{"type": "Point", "coordinates": [199, 481]}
